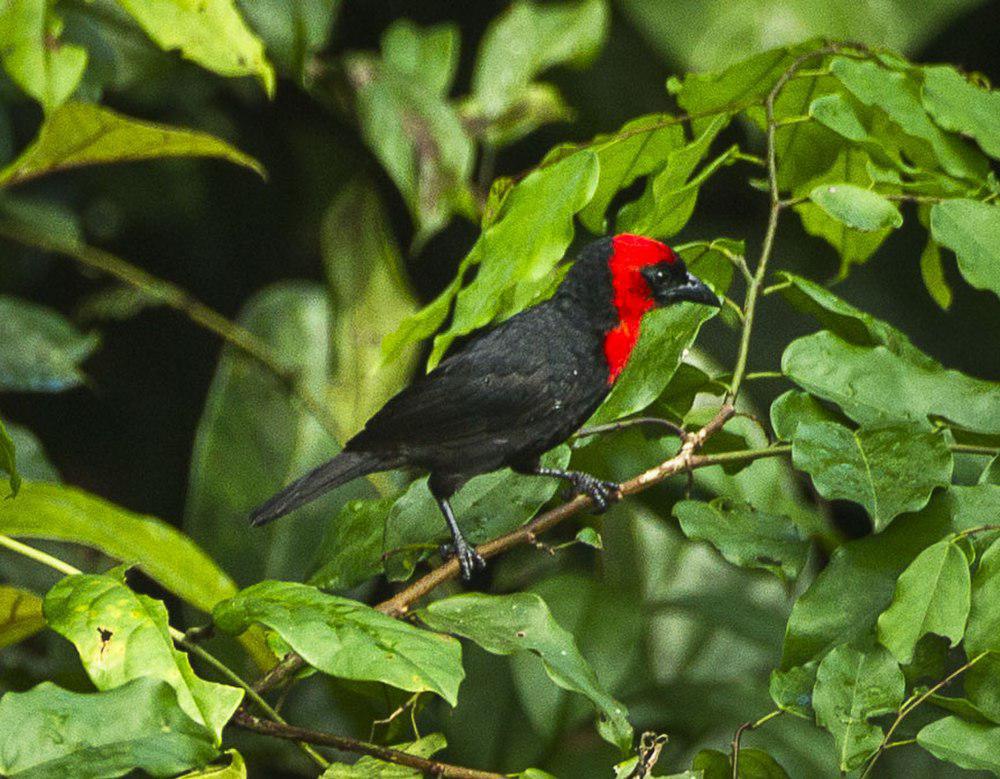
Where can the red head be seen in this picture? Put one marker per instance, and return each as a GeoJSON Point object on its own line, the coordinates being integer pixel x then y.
{"type": "Point", "coordinates": [644, 274]}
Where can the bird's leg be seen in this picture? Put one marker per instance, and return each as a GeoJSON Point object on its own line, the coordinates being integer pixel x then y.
{"type": "Point", "coordinates": [469, 560]}
{"type": "Point", "coordinates": [603, 493]}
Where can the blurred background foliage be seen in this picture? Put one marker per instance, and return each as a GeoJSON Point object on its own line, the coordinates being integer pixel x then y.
{"type": "Point", "coordinates": [380, 127]}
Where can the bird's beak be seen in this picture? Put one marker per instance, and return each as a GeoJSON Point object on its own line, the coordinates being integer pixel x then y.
{"type": "Point", "coordinates": [693, 290]}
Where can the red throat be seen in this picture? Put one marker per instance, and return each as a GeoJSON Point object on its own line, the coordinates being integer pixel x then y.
{"type": "Point", "coordinates": [632, 298]}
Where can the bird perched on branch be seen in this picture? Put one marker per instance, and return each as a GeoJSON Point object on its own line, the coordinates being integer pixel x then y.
{"type": "Point", "coordinates": [516, 390]}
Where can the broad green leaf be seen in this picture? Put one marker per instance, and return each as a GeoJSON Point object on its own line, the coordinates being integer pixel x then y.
{"type": "Point", "coordinates": [348, 639]}
{"type": "Point", "coordinates": [371, 768]}
{"type": "Point", "coordinates": [664, 338]}
{"type": "Point", "coordinates": [745, 536]}
{"type": "Point", "coordinates": [40, 351]}
{"type": "Point", "coordinates": [888, 469]}
{"type": "Point", "coordinates": [932, 273]}
{"type": "Point", "coordinates": [8, 460]}
{"type": "Point", "coordinates": [637, 149]}
{"type": "Point", "coordinates": [983, 633]}
{"type": "Point", "coordinates": [538, 104]}
{"type": "Point", "coordinates": [80, 134]}
{"type": "Point", "coordinates": [958, 105]}
{"type": "Point", "coordinates": [48, 731]}
{"type": "Point", "coordinates": [32, 462]}
{"type": "Point", "coordinates": [856, 207]}
{"type": "Point", "coordinates": [851, 688]}
{"type": "Point", "coordinates": [211, 33]}
{"type": "Point", "coordinates": [529, 38]}
{"type": "Point", "coordinates": [409, 125]}
{"type": "Point", "coordinates": [20, 615]}
{"type": "Point", "coordinates": [971, 229]}
{"type": "Point", "coordinates": [854, 246]}
{"type": "Point", "coordinates": [488, 506]}
{"type": "Point", "coordinates": [991, 473]}
{"type": "Point", "coordinates": [166, 555]}
{"type": "Point", "coordinates": [351, 552]}
{"type": "Point", "coordinates": [517, 254]}
{"type": "Point", "coordinates": [507, 624]}
{"type": "Point", "coordinates": [37, 60]}
{"type": "Point", "coordinates": [588, 536]}
{"type": "Point", "coordinates": [970, 745]}
{"type": "Point", "coordinates": [898, 94]}
{"type": "Point", "coordinates": [792, 690]}
{"type": "Point", "coordinates": [253, 438]}
{"type": "Point", "coordinates": [982, 686]}
{"type": "Point", "coordinates": [292, 32]}
{"type": "Point", "coordinates": [370, 298]}
{"type": "Point", "coordinates": [835, 112]}
{"type": "Point", "coordinates": [121, 636]}
{"type": "Point", "coordinates": [963, 707]}
{"type": "Point", "coordinates": [713, 764]}
{"type": "Point", "coordinates": [932, 596]}
{"type": "Point", "coordinates": [235, 769]}
{"type": "Point", "coordinates": [876, 384]}
{"type": "Point", "coordinates": [793, 408]}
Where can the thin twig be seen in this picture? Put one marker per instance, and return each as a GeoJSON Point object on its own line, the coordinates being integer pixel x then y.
{"type": "Point", "coordinates": [428, 767]}
{"type": "Point", "coordinates": [744, 728]}
{"type": "Point", "coordinates": [622, 424]}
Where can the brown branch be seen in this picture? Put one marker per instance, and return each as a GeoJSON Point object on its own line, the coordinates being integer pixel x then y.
{"type": "Point", "coordinates": [428, 767]}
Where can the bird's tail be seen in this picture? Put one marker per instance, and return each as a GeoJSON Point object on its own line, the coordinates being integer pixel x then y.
{"type": "Point", "coordinates": [341, 469]}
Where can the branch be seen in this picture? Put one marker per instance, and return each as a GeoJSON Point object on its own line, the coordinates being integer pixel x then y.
{"type": "Point", "coordinates": [427, 766]}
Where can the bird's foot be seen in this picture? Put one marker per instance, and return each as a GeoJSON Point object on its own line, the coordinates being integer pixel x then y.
{"type": "Point", "coordinates": [603, 493]}
{"type": "Point", "coordinates": [469, 560]}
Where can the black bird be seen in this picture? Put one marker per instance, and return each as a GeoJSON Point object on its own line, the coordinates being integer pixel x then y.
{"type": "Point", "coordinates": [516, 390]}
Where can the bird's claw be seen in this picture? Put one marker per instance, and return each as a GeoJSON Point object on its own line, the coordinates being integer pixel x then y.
{"type": "Point", "coordinates": [469, 560]}
{"type": "Point", "coordinates": [602, 493]}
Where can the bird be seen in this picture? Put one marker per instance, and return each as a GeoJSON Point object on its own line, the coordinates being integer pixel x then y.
{"type": "Point", "coordinates": [513, 391]}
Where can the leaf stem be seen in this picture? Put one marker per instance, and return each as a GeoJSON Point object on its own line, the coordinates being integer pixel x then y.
{"type": "Point", "coordinates": [738, 735]}
{"type": "Point", "coordinates": [39, 556]}
{"type": "Point", "coordinates": [989, 451]}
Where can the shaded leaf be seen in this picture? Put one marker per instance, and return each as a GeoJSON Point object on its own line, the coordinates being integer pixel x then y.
{"type": "Point", "coordinates": [121, 635]}
{"type": "Point", "coordinates": [958, 105]}
{"type": "Point", "coordinates": [347, 639]}
{"type": "Point", "coordinates": [856, 207]}
{"type": "Point", "coordinates": [932, 273]}
{"type": "Point", "coordinates": [971, 229]}
{"type": "Point", "coordinates": [889, 469]}
{"type": "Point", "coordinates": [745, 536]}
{"type": "Point", "coordinates": [983, 633]}
{"type": "Point", "coordinates": [834, 111]}
{"type": "Point", "coordinates": [506, 624]}
{"type": "Point", "coordinates": [793, 408]}
{"type": "Point", "coordinates": [971, 745]}
{"type": "Point", "coordinates": [292, 32]}
{"type": "Point", "coordinates": [371, 768]}
{"type": "Point", "coordinates": [32, 462]}
{"type": "Point", "coordinates": [80, 134]}
{"type": "Point", "coordinates": [351, 552]}
{"type": "Point", "coordinates": [136, 726]}
{"type": "Point", "coordinates": [20, 615]}
{"type": "Point", "coordinates": [932, 596]}
{"type": "Point", "coordinates": [40, 351]}
{"type": "Point", "coordinates": [8, 460]}
{"type": "Point", "coordinates": [792, 690]}
{"type": "Point", "coordinates": [851, 688]}
{"type": "Point", "coordinates": [211, 33]}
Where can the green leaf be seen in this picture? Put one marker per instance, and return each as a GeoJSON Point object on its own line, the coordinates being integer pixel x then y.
{"type": "Point", "coordinates": [507, 624]}
{"type": "Point", "coordinates": [351, 552]}
{"type": "Point", "coordinates": [409, 125]}
{"type": "Point", "coordinates": [851, 688]}
{"type": "Point", "coordinates": [971, 745]}
{"type": "Point", "coordinates": [529, 38]}
{"type": "Point", "coordinates": [371, 768]}
{"type": "Point", "coordinates": [211, 33]}
{"type": "Point", "coordinates": [539, 104]}
{"type": "Point", "coordinates": [589, 537]}
{"type": "Point", "coordinates": [517, 254]}
{"type": "Point", "coordinates": [20, 615]}
{"type": "Point", "coordinates": [792, 690]}
{"type": "Point", "coordinates": [958, 105]}
{"type": "Point", "coordinates": [983, 633]}
{"type": "Point", "coordinates": [370, 298]}
{"type": "Point", "coordinates": [32, 462]}
{"type": "Point", "coordinates": [234, 769]}
{"type": "Point", "coordinates": [898, 94]}
{"type": "Point", "coordinates": [43, 66]}
{"type": "Point", "coordinates": [856, 207]}
{"type": "Point", "coordinates": [40, 351]}
{"type": "Point", "coordinates": [122, 636]}
{"type": "Point", "coordinates": [488, 506]}
{"type": "Point", "coordinates": [347, 639]}
{"type": "Point", "coordinates": [80, 134]}
{"type": "Point", "coordinates": [971, 229]}
{"type": "Point", "coordinates": [753, 764]}
{"type": "Point", "coordinates": [8, 460]}
{"type": "Point", "coordinates": [888, 469]}
{"type": "Point", "coordinates": [745, 536]}
{"type": "Point", "coordinates": [932, 273]}
{"type": "Point", "coordinates": [253, 438]}
{"type": "Point", "coordinates": [793, 408]}
{"type": "Point", "coordinates": [48, 731]}
{"type": "Point", "coordinates": [292, 32]}
{"type": "Point", "coordinates": [163, 553]}
{"type": "Point", "coordinates": [932, 596]}
{"type": "Point", "coordinates": [834, 111]}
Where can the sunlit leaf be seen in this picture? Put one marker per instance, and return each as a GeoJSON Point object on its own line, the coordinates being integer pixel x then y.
{"type": "Point", "coordinates": [8, 460]}
{"type": "Point", "coordinates": [861, 209]}
{"type": "Point", "coordinates": [121, 635]}
{"type": "Point", "coordinates": [348, 639]}
{"type": "Point", "coordinates": [971, 229]}
{"type": "Point", "coordinates": [235, 769]}
{"type": "Point", "coordinates": [48, 731]}
{"type": "Point", "coordinates": [958, 105]}
{"type": "Point", "coordinates": [932, 273]}
{"type": "Point", "coordinates": [20, 615]}
{"type": "Point", "coordinates": [506, 624]}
